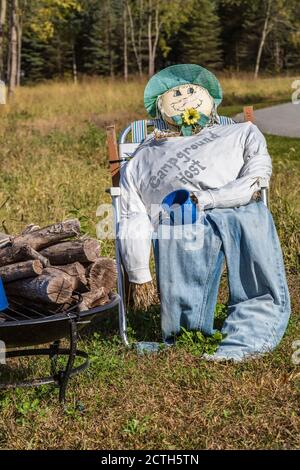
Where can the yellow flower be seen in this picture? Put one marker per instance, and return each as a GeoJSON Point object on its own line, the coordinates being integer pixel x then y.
{"type": "Point", "coordinates": [190, 116]}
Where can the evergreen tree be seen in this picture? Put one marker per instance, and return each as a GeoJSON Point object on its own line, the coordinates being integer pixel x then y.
{"type": "Point", "coordinates": [49, 39]}
{"type": "Point", "coordinates": [199, 41]}
{"type": "Point", "coordinates": [33, 65]}
{"type": "Point", "coordinates": [233, 16]}
{"type": "Point", "coordinates": [101, 36]}
{"type": "Point", "coordinates": [61, 37]}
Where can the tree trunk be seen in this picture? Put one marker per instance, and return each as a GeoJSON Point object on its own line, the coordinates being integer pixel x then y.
{"type": "Point", "coordinates": [157, 32]}
{"type": "Point", "coordinates": [266, 30]}
{"type": "Point", "coordinates": [3, 5]}
{"type": "Point", "coordinates": [45, 288]}
{"type": "Point", "coordinates": [278, 63]}
{"type": "Point", "coordinates": [125, 43]}
{"type": "Point", "coordinates": [153, 42]}
{"type": "Point", "coordinates": [140, 32]}
{"type": "Point", "coordinates": [237, 58]}
{"type": "Point", "coordinates": [14, 272]}
{"type": "Point", "coordinates": [75, 74]}
{"type": "Point", "coordinates": [85, 251]}
{"type": "Point", "coordinates": [19, 45]}
{"type": "Point", "coordinates": [108, 36]}
{"type": "Point", "coordinates": [150, 59]}
{"type": "Point", "coordinates": [133, 40]}
{"type": "Point", "coordinates": [13, 47]}
{"type": "Point", "coordinates": [8, 55]}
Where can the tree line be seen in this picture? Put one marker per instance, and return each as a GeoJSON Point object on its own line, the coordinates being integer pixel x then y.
{"type": "Point", "coordinates": [44, 39]}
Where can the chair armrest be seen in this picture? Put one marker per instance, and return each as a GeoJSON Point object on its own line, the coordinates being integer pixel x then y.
{"type": "Point", "coordinates": [114, 191]}
{"type": "Point", "coordinates": [265, 195]}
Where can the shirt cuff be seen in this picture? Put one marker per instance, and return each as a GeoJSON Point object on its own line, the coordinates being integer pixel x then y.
{"type": "Point", "coordinates": [140, 276]}
{"type": "Point", "coordinates": [205, 200]}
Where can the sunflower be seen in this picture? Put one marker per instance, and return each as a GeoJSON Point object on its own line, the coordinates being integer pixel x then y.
{"type": "Point", "coordinates": [190, 116]}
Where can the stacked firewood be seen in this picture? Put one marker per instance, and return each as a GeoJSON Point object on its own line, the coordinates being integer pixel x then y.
{"type": "Point", "coordinates": [46, 265]}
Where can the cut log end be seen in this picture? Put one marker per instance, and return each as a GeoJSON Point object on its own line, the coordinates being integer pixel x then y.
{"type": "Point", "coordinates": [94, 299]}
{"type": "Point", "coordinates": [102, 273]}
{"type": "Point", "coordinates": [60, 290]}
{"type": "Point", "coordinates": [22, 270]}
{"type": "Point", "coordinates": [44, 288]}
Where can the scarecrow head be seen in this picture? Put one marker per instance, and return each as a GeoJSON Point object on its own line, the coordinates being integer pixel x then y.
{"type": "Point", "coordinates": [185, 96]}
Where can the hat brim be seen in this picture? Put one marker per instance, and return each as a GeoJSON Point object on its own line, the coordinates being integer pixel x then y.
{"type": "Point", "coordinates": [177, 75]}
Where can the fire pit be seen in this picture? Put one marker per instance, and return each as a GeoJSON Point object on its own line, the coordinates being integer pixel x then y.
{"type": "Point", "coordinates": [24, 326]}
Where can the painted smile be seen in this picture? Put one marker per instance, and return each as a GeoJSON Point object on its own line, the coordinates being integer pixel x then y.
{"type": "Point", "coordinates": [181, 110]}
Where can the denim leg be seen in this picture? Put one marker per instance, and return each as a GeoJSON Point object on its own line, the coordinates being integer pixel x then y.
{"type": "Point", "coordinates": [189, 260]}
{"type": "Point", "coordinates": [259, 307]}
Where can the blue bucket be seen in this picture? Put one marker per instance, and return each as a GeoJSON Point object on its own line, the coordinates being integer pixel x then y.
{"type": "Point", "coordinates": [180, 207]}
{"type": "Point", "coordinates": [3, 299]}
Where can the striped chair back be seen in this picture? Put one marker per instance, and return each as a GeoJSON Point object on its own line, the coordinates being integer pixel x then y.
{"type": "Point", "coordinates": [139, 129]}
{"type": "Point", "coordinates": [139, 132]}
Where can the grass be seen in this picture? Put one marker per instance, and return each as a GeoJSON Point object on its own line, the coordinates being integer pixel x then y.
{"type": "Point", "coordinates": [53, 165]}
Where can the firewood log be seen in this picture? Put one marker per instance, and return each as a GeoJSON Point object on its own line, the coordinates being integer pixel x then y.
{"type": "Point", "coordinates": [8, 256]}
{"type": "Point", "coordinates": [4, 236]}
{"type": "Point", "coordinates": [76, 272]}
{"type": "Point", "coordinates": [38, 239]}
{"type": "Point", "coordinates": [71, 251]}
{"type": "Point", "coordinates": [49, 235]}
{"type": "Point", "coordinates": [21, 270]}
{"type": "Point", "coordinates": [27, 252]}
{"type": "Point", "coordinates": [44, 288]}
{"type": "Point", "coordinates": [94, 299]}
{"type": "Point", "coordinates": [30, 228]}
{"type": "Point", "coordinates": [102, 273]}
{"type": "Point", "coordinates": [4, 240]}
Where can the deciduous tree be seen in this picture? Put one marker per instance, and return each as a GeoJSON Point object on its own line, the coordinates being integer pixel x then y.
{"type": "Point", "coordinates": [3, 11]}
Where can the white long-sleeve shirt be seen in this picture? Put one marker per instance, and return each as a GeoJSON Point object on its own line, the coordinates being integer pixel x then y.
{"type": "Point", "coordinates": [222, 165]}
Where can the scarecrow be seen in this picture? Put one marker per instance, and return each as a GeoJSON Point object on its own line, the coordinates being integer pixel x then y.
{"type": "Point", "coordinates": [221, 168]}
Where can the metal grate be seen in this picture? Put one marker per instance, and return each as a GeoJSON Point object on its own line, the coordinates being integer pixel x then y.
{"type": "Point", "coordinates": [20, 313]}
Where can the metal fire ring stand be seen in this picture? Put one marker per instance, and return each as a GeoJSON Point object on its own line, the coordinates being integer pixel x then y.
{"type": "Point", "coordinates": [23, 326]}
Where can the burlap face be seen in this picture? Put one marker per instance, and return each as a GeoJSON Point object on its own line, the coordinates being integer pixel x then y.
{"type": "Point", "coordinates": [178, 99]}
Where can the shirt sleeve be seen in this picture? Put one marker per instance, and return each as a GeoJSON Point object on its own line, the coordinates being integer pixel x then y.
{"type": "Point", "coordinates": [255, 174]}
{"type": "Point", "coordinates": [135, 231]}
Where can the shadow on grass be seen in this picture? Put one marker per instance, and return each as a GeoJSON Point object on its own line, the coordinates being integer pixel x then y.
{"type": "Point", "coordinates": [142, 326]}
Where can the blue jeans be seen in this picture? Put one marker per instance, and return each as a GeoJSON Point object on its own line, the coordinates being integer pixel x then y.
{"type": "Point", "coordinates": [189, 271]}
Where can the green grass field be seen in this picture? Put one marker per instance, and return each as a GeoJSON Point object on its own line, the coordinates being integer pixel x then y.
{"type": "Point", "coordinates": [53, 166]}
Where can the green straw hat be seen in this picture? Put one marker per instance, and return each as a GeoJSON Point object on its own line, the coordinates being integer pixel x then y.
{"type": "Point", "coordinates": [177, 75]}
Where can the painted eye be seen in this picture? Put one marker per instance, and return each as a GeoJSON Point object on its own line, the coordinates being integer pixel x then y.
{"type": "Point", "coordinates": [191, 91]}
{"type": "Point", "coordinates": [177, 93]}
